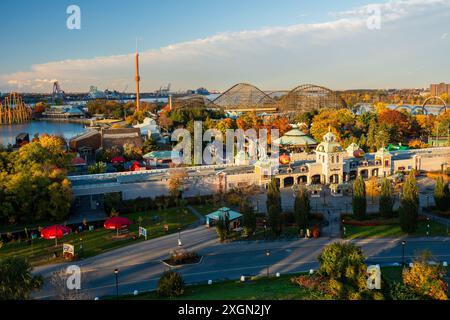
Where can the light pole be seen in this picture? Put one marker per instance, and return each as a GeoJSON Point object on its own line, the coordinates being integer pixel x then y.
{"type": "Point", "coordinates": [268, 265]}
{"type": "Point", "coordinates": [403, 253]}
{"type": "Point", "coordinates": [179, 237]}
{"type": "Point", "coordinates": [265, 229]}
{"type": "Point", "coordinates": [116, 273]}
{"type": "Point", "coordinates": [428, 227]}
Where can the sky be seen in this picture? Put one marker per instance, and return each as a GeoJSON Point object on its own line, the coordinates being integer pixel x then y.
{"type": "Point", "coordinates": [275, 45]}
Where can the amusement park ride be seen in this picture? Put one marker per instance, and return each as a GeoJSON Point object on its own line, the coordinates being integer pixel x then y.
{"type": "Point", "coordinates": [13, 110]}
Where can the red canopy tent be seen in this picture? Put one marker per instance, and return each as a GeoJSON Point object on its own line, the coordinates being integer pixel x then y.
{"type": "Point", "coordinates": [55, 232]}
{"type": "Point", "coordinates": [136, 166]}
{"type": "Point", "coordinates": [117, 160]}
{"type": "Point", "coordinates": [117, 223]}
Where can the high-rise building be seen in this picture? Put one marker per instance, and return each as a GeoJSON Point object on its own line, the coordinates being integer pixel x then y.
{"type": "Point", "coordinates": [439, 89]}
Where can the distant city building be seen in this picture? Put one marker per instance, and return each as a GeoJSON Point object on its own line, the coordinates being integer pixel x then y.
{"type": "Point", "coordinates": [439, 89]}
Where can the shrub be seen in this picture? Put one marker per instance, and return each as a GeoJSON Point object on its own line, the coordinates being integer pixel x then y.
{"type": "Point", "coordinates": [170, 285]}
{"type": "Point", "coordinates": [426, 280]}
{"type": "Point", "coordinates": [442, 195]}
{"type": "Point", "coordinates": [399, 291]}
{"type": "Point", "coordinates": [344, 264]}
{"type": "Point", "coordinates": [179, 257]}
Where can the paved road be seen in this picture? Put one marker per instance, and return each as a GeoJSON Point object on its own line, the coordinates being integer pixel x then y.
{"type": "Point", "coordinates": [140, 265]}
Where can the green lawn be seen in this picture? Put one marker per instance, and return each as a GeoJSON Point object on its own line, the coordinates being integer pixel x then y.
{"type": "Point", "coordinates": [394, 230]}
{"type": "Point", "coordinates": [100, 240]}
{"type": "Point", "coordinates": [260, 289]}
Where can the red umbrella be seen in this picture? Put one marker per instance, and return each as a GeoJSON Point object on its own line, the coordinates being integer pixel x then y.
{"type": "Point", "coordinates": [117, 223]}
{"type": "Point", "coordinates": [55, 232]}
{"type": "Point", "coordinates": [136, 166]}
{"type": "Point", "coordinates": [118, 159]}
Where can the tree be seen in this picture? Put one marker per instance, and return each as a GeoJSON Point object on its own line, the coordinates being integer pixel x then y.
{"type": "Point", "coordinates": [170, 285]}
{"type": "Point", "coordinates": [149, 146]}
{"type": "Point", "coordinates": [386, 199]}
{"type": "Point", "coordinates": [176, 182]}
{"type": "Point", "coordinates": [223, 226]}
{"type": "Point", "coordinates": [249, 218]}
{"type": "Point", "coordinates": [97, 168]}
{"type": "Point", "coordinates": [274, 207]}
{"type": "Point", "coordinates": [442, 194]}
{"type": "Point", "coordinates": [343, 264]}
{"type": "Point", "coordinates": [409, 205]}
{"type": "Point", "coordinates": [372, 188]}
{"type": "Point", "coordinates": [16, 280]}
{"type": "Point", "coordinates": [302, 208]}
{"type": "Point", "coordinates": [359, 198]}
{"type": "Point", "coordinates": [425, 279]}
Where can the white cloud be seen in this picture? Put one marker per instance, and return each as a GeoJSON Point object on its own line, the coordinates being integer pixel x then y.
{"type": "Point", "coordinates": [332, 53]}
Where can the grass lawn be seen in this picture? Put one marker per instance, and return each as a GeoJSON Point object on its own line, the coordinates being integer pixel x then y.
{"type": "Point", "coordinates": [260, 289]}
{"type": "Point", "coordinates": [394, 230]}
{"type": "Point", "coordinates": [100, 240]}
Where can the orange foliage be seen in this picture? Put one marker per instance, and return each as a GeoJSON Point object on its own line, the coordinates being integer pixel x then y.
{"type": "Point", "coordinates": [395, 118]}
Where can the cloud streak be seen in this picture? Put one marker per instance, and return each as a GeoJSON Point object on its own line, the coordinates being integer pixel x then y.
{"type": "Point", "coordinates": [272, 58]}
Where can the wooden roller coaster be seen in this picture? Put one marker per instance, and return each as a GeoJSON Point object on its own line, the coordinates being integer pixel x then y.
{"type": "Point", "coordinates": [13, 110]}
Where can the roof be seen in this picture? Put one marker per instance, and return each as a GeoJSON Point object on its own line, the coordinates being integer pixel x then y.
{"type": "Point", "coordinates": [295, 137]}
{"type": "Point", "coordinates": [233, 215]}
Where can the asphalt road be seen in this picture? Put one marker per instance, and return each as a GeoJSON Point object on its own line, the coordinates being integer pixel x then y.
{"type": "Point", "coordinates": [140, 265]}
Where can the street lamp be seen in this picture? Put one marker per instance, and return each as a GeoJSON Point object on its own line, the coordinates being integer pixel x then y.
{"type": "Point", "coordinates": [265, 229]}
{"type": "Point", "coordinates": [403, 252]}
{"type": "Point", "coordinates": [116, 273]}
{"type": "Point", "coordinates": [428, 227]}
{"type": "Point", "coordinates": [268, 265]}
{"type": "Point", "coordinates": [179, 237]}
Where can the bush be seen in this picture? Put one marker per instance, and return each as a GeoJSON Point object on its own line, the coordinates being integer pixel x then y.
{"type": "Point", "coordinates": [179, 257]}
{"type": "Point", "coordinates": [170, 285]}
{"type": "Point", "coordinates": [399, 291]}
{"type": "Point", "coordinates": [343, 264]}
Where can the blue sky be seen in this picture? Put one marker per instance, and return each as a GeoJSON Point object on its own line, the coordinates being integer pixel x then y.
{"type": "Point", "coordinates": [35, 33]}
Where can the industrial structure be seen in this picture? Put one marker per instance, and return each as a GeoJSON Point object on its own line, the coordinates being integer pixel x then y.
{"type": "Point", "coordinates": [13, 110]}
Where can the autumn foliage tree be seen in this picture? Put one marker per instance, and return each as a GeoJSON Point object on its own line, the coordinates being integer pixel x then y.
{"type": "Point", "coordinates": [425, 279]}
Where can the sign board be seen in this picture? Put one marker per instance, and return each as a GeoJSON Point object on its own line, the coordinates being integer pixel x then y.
{"type": "Point", "coordinates": [374, 277]}
{"type": "Point", "coordinates": [166, 228]}
{"type": "Point", "coordinates": [69, 249]}
{"type": "Point", "coordinates": [143, 232]}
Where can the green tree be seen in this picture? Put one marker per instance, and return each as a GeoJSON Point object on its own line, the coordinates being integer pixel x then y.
{"type": "Point", "coordinates": [170, 285]}
{"type": "Point", "coordinates": [249, 218]}
{"type": "Point", "coordinates": [409, 205]}
{"type": "Point", "coordinates": [359, 198]}
{"type": "Point", "coordinates": [223, 226]}
{"type": "Point", "coordinates": [274, 207]}
{"type": "Point", "coordinates": [442, 194]}
{"type": "Point", "coordinates": [386, 199]}
{"type": "Point", "coordinates": [343, 264]}
{"type": "Point", "coordinates": [302, 208]}
{"type": "Point", "coordinates": [16, 280]}
{"type": "Point", "coordinates": [97, 168]}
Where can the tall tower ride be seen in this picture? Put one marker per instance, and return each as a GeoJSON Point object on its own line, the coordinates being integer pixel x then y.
{"type": "Point", "coordinates": [138, 79]}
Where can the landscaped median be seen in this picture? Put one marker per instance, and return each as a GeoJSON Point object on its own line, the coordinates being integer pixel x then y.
{"type": "Point", "coordinates": [375, 226]}
{"type": "Point", "coordinates": [90, 243]}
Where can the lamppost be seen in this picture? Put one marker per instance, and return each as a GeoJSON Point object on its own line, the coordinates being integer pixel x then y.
{"type": "Point", "coordinates": [428, 227]}
{"type": "Point", "coordinates": [403, 253]}
{"type": "Point", "coordinates": [179, 237]}
{"type": "Point", "coordinates": [116, 273]}
{"type": "Point", "coordinates": [268, 265]}
{"type": "Point", "coordinates": [265, 229]}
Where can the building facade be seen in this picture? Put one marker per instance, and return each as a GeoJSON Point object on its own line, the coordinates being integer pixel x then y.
{"type": "Point", "coordinates": [439, 89]}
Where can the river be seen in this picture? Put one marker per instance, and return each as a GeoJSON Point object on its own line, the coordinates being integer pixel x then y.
{"type": "Point", "coordinates": [68, 130]}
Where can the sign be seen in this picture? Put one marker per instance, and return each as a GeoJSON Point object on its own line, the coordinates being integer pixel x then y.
{"type": "Point", "coordinates": [143, 232]}
{"type": "Point", "coordinates": [374, 279]}
{"type": "Point", "coordinates": [166, 228]}
{"type": "Point", "coordinates": [69, 249]}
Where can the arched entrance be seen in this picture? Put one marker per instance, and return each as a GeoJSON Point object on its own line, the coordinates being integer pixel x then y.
{"type": "Point", "coordinates": [288, 182]}
{"type": "Point", "coordinates": [315, 179]}
{"type": "Point", "coordinates": [302, 180]}
{"type": "Point", "coordinates": [365, 173]}
{"type": "Point", "coordinates": [375, 172]}
{"type": "Point", "coordinates": [334, 178]}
